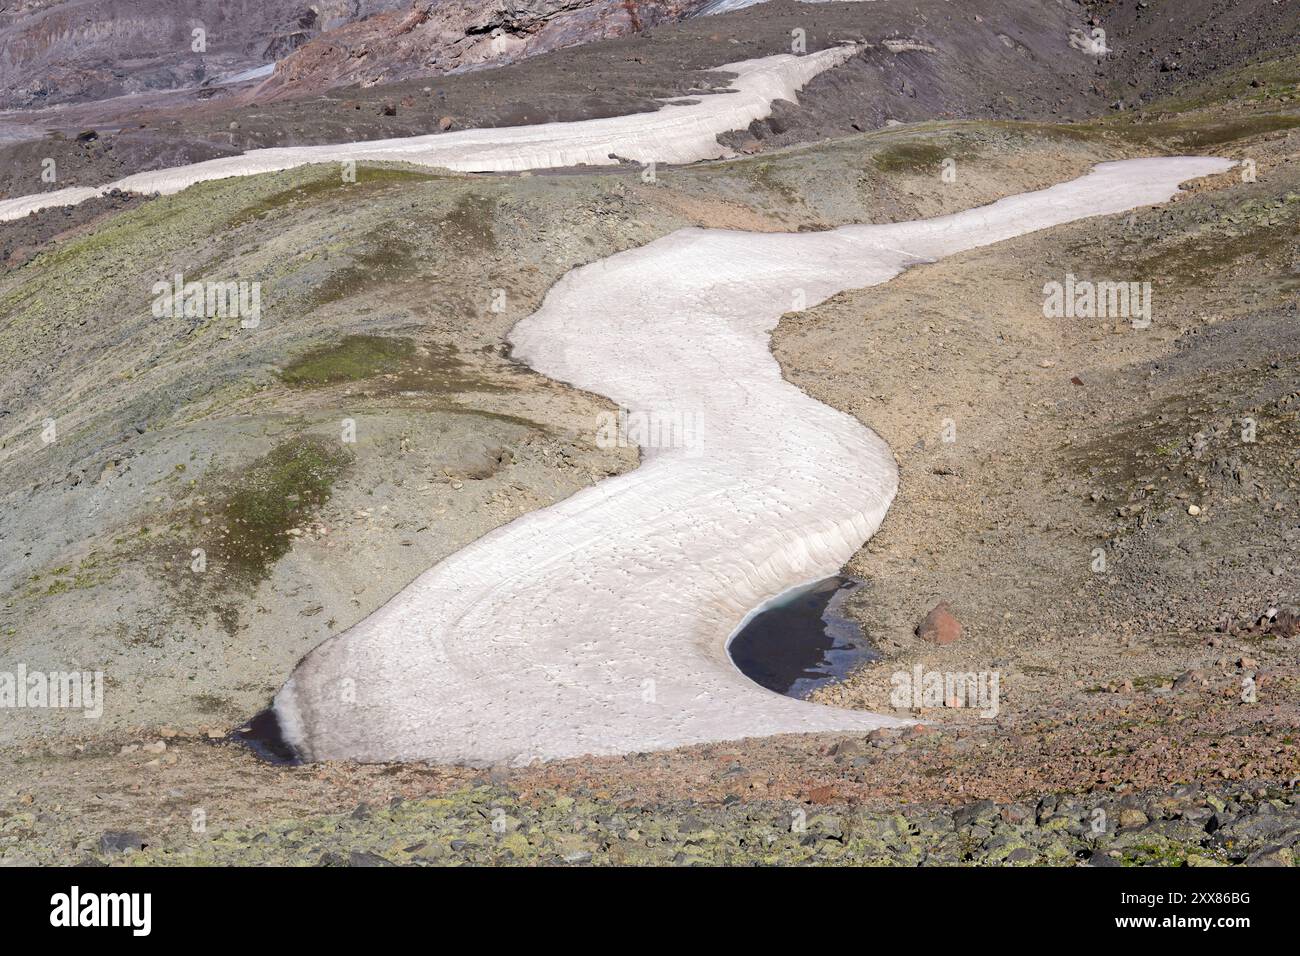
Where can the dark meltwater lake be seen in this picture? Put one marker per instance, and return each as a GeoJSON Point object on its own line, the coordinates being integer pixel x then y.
{"type": "Point", "coordinates": [802, 641]}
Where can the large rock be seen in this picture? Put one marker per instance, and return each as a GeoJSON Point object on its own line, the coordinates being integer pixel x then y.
{"type": "Point", "coordinates": [939, 626]}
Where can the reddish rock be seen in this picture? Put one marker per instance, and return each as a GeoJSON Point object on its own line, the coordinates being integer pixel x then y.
{"type": "Point", "coordinates": [939, 626]}
{"type": "Point", "coordinates": [444, 124]}
{"type": "Point", "coordinates": [822, 795]}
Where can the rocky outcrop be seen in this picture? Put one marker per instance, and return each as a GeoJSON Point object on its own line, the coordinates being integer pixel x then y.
{"type": "Point", "coordinates": [444, 36]}
{"type": "Point", "coordinates": [69, 51]}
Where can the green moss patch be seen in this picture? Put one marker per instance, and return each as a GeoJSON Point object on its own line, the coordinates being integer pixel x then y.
{"type": "Point", "coordinates": [911, 157]}
{"type": "Point", "coordinates": [91, 571]}
{"type": "Point", "coordinates": [391, 365]}
{"type": "Point", "coordinates": [356, 357]}
{"type": "Point", "coordinates": [329, 184]}
{"type": "Point", "coordinates": [272, 495]}
{"type": "Point", "coordinates": [1199, 132]}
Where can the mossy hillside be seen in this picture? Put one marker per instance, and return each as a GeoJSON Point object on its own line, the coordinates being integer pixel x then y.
{"type": "Point", "coordinates": [387, 254]}
{"type": "Point", "coordinates": [92, 294]}
{"type": "Point", "coordinates": [71, 275]}
{"type": "Point", "coordinates": [354, 358]}
{"type": "Point", "coordinates": [917, 157]}
{"type": "Point", "coordinates": [251, 519]}
{"type": "Point", "coordinates": [325, 182]}
{"type": "Point", "coordinates": [389, 364]}
{"type": "Point", "coordinates": [1262, 226]}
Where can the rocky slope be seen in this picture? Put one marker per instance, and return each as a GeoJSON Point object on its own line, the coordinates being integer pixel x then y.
{"type": "Point", "coordinates": [1159, 47]}
{"type": "Point", "coordinates": [952, 65]}
{"type": "Point", "coordinates": [68, 51]}
{"type": "Point", "coordinates": [445, 36]}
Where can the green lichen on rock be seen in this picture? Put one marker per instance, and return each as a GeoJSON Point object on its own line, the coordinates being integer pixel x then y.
{"type": "Point", "coordinates": [494, 824]}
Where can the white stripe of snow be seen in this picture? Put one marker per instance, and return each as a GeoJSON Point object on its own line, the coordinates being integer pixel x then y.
{"type": "Point", "coordinates": [598, 625]}
{"type": "Point", "coordinates": [680, 132]}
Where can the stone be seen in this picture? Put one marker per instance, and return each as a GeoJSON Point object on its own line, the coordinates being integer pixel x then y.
{"type": "Point", "coordinates": [1190, 679]}
{"type": "Point", "coordinates": [1272, 856]}
{"type": "Point", "coordinates": [444, 123]}
{"type": "Point", "coordinates": [1129, 817]}
{"type": "Point", "coordinates": [121, 841]}
{"type": "Point", "coordinates": [366, 858]}
{"type": "Point", "coordinates": [980, 810]}
{"type": "Point", "coordinates": [939, 626]}
{"type": "Point", "coordinates": [1016, 814]}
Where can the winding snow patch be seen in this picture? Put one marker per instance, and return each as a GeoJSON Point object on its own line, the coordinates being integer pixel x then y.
{"type": "Point", "coordinates": [599, 625]}
{"type": "Point", "coordinates": [682, 131]}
